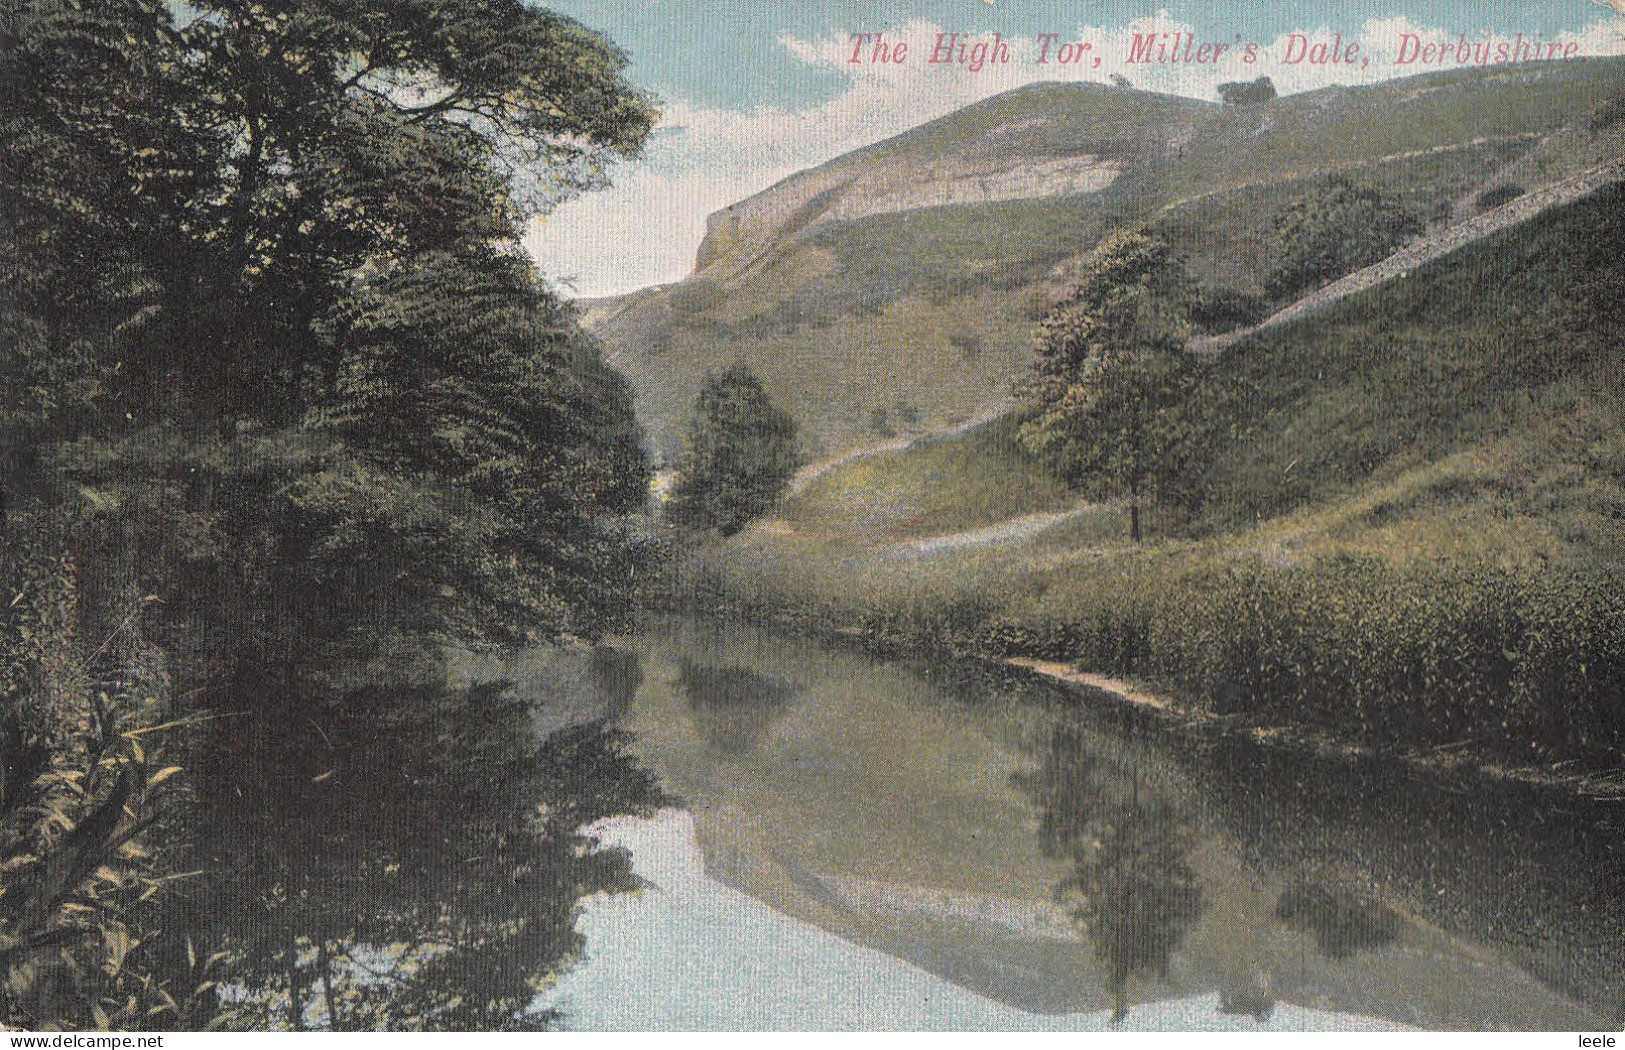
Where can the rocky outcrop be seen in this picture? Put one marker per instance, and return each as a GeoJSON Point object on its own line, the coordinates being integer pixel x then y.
{"type": "Point", "coordinates": [737, 235]}
{"type": "Point", "coordinates": [904, 190]}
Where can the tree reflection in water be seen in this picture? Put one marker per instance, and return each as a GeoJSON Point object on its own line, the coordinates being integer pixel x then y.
{"type": "Point", "coordinates": [1064, 789]}
{"type": "Point", "coordinates": [615, 675]}
{"type": "Point", "coordinates": [403, 859]}
{"type": "Point", "coordinates": [1140, 895]}
{"type": "Point", "coordinates": [733, 707]}
{"type": "Point", "coordinates": [1341, 922]}
{"type": "Point", "coordinates": [1137, 894]}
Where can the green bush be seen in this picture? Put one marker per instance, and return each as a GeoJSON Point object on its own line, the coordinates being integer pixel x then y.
{"type": "Point", "coordinates": [1335, 229]}
{"type": "Point", "coordinates": [1494, 198]}
{"type": "Point", "coordinates": [741, 454]}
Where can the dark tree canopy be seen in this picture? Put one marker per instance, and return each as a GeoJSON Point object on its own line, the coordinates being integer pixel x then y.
{"type": "Point", "coordinates": [225, 170]}
{"type": "Point", "coordinates": [1248, 93]}
{"type": "Point", "coordinates": [741, 454]}
{"type": "Point", "coordinates": [285, 415]}
{"type": "Point", "coordinates": [273, 243]}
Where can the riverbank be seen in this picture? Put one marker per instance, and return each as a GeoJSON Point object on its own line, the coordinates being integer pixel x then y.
{"type": "Point", "coordinates": [1445, 760]}
{"type": "Point", "coordinates": [1177, 710]}
{"type": "Point", "coordinates": [938, 825]}
{"type": "Point", "coordinates": [1403, 534]}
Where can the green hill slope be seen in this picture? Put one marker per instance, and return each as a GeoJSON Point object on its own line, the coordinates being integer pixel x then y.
{"type": "Point", "coordinates": [1414, 524]}
{"type": "Point", "coordinates": [904, 278]}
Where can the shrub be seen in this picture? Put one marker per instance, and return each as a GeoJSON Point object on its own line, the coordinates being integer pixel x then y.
{"type": "Point", "coordinates": [1220, 310]}
{"type": "Point", "coordinates": [1491, 199]}
{"type": "Point", "coordinates": [1335, 229]}
{"type": "Point", "coordinates": [741, 454]}
{"type": "Point", "coordinates": [1244, 93]}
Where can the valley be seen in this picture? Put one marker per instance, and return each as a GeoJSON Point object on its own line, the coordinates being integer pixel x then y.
{"type": "Point", "coordinates": [857, 287]}
{"type": "Point", "coordinates": [1421, 455]}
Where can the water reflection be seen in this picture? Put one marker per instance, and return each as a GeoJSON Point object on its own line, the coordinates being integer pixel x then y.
{"type": "Point", "coordinates": [1136, 890]}
{"type": "Point", "coordinates": [931, 811]}
{"type": "Point", "coordinates": [1064, 790]}
{"type": "Point", "coordinates": [733, 707]}
{"type": "Point", "coordinates": [615, 675]}
{"type": "Point", "coordinates": [1139, 893]}
{"type": "Point", "coordinates": [403, 859]}
{"type": "Point", "coordinates": [1250, 999]}
{"type": "Point", "coordinates": [1341, 922]}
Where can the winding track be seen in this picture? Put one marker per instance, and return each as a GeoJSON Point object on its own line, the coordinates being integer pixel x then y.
{"type": "Point", "coordinates": [1425, 249]}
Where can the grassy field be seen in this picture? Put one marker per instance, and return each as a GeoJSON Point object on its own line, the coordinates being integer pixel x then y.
{"type": "Point", "coordinates": [1413, 528]}
{"type": "Point", "coordinates": [934, 487]}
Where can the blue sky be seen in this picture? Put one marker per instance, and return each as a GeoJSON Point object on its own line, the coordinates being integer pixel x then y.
{"type": "Point", "coordinates": [754, 90]}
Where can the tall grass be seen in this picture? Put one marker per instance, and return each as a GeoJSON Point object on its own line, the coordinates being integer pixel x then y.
{"type": "Point", "coordinates": [1518, 664]}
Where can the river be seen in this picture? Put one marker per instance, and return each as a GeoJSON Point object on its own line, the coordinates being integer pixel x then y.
{"type": "Point", "coordinates": [872, 843]}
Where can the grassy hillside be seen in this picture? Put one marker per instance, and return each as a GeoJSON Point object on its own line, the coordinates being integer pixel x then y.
{"type": "Point", "coordinates": [927, 313]}
{"type": "Point", "coordinates": [1414, 525]}
{"type": "Point", "coordinates": [935, 486]}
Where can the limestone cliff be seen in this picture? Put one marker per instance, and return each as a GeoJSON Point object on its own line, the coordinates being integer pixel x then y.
{"type": "Point", "coordinates": [737, 235]}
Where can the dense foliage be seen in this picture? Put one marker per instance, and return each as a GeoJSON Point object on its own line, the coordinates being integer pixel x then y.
{"type": "Point", "coordinates": [285, 414]}
{"type": "Point", "coordinates": [1248, 93]}
{"type": "Point", "coordinates": [1113, 375]}
{"type": "Point", "coordinates": [741, 454]}
{"type": "Point", "coordinates": [1334, 229]}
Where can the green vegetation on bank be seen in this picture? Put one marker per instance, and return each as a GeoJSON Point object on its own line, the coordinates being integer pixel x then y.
{"type": "Point", "coordinates": [286, 417]}
{"type": "Point", "coordinates": [1412, 525]}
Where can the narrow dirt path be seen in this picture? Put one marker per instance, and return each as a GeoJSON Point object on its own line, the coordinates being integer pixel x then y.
{"type": "Point", "coordinates": [1011, 530]}
{"type": "Point", "coordinates": [807, 474]}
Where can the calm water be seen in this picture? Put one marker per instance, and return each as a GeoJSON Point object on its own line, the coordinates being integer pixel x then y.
{"type": "Point", "coordinates": [866, 842]}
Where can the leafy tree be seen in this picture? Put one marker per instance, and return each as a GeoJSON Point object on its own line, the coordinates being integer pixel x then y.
{"type": "Point", "coordinates": [197, 205]}
{"type": "Point", "coordinates": [254, 154]}
{"type": "Point", "coordinates": [477, 400]}
{"type": "Point", "coordinates": [1113, 377]}
{"type": "Point", "coordinates": [1335, 229]}
{"type": "Point", "coordinates": [269, 351]}
{"type": "Point", "coordinates": [741, 454]}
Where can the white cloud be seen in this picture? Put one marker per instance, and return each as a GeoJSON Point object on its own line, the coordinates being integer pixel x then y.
{"type": "Point", "coordinates": [645, 229]}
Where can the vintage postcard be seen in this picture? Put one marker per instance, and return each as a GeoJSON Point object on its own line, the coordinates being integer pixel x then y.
{"type": "Point", "coordinates": [870, 515]}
